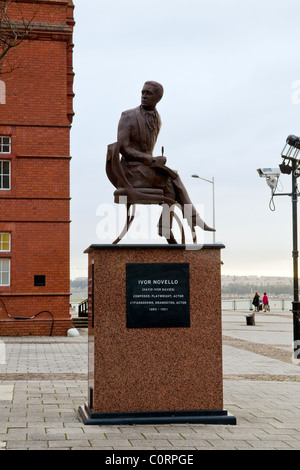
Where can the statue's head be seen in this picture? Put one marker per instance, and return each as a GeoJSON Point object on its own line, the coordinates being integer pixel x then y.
{"type": "Point", "coordinates": [157, 87]}
{"type": "Point", "coordinates": [152, 93]}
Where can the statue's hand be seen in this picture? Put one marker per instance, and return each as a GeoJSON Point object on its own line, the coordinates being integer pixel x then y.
{"type": "Point", "coordinates": [161, 160]}
{"type": "Point", "coordinates": [148, 160]}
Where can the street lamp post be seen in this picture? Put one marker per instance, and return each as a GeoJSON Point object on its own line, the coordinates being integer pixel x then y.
{"type": "Point", "coordinates": [291, 165]}
{"type": "Point", "coordinates": [296, 305]}
{"type": "Point", "coordinates": [213, 193]}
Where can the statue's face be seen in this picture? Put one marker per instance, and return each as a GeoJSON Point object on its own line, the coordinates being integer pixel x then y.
{"type": "Point", "coordinates": [149, 97]}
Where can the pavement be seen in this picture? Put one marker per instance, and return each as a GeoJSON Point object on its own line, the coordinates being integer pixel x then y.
{"type": "Point", "coordinates": [43, 381]}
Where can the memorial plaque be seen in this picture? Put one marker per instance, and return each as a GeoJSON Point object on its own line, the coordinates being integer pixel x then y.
{"type": "Point", "coordinates": [157, 295]}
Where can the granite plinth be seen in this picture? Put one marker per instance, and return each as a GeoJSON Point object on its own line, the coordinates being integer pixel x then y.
{"type": "Point", "coordinates": [154, 374]}
{"type": "Point", "coordinates": [199, 417]}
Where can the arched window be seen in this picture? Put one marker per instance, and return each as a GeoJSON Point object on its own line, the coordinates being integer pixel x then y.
{"type": "Point", "coordinates": [2, 92]}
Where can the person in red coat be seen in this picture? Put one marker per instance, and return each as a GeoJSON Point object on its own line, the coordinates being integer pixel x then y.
{"type": "Point", "coordinates": [265, 302]}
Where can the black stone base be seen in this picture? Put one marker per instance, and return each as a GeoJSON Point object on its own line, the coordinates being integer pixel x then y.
{"type": "Point", "coordinates": [156, 417]}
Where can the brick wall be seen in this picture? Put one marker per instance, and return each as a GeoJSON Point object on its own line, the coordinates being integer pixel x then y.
{"type": "Point", "coordinates": [37, 115]}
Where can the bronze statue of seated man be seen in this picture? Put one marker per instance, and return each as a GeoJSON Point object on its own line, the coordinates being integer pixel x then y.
{"type": "Point", "coordinates": [137, 135]}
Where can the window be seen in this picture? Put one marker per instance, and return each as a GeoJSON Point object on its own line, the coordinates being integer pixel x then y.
{"type": "Point", "coordinates": [2, 92]}
{"type": "Point", "coordinates": [5, 144]}
{"type": "Point", "coordinates": [4, 272]}
{"type": "Point", "coordinates": [4, 241]}
{"type": "Point", "coordinates": [39, 280]}
{"type": "Point", "coordinates": [5, 245]}
{"type": "Point", "coordinates": [4, 174]}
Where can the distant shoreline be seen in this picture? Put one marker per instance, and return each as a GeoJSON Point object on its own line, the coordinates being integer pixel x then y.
{"type": "Point", "coordinates": [233, 287]}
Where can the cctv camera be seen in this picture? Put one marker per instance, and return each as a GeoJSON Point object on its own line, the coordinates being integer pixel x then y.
{"type": "Point", "coordinates": [265, 172]}
{"type": "Point", "coordinates": [272, 181]}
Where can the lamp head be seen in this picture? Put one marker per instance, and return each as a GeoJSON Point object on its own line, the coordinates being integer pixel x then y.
{"type": "Point", "coordinates": [285, 168]}
{"type": "Point", "coordinates": [289, 154]}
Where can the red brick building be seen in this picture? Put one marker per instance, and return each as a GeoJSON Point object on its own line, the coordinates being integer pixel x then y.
{"type": "Point", "coordinates": [35, 120]}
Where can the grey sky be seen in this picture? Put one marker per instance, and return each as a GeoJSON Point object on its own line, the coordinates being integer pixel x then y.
{"type": "Point", "coordinates": [228, 69]}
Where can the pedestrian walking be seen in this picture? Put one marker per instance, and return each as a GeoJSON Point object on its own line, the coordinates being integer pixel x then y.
{"type": "Point", "coordinates": [265, 302]}
{"type": "Point", "coordinates": [255, 302]}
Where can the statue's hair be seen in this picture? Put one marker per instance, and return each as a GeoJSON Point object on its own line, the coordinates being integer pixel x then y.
{"type": "Point", "coordinates": [159, 90]}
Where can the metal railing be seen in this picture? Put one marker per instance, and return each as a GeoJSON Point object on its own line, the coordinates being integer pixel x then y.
{"type": "Point", "coordinates": [246, 304]}
{"type": "Point", "coordinates": [83, 308]}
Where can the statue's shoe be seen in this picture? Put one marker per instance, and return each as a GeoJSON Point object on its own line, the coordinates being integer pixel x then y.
{"type": "Point", "coordinates": [198, 222]}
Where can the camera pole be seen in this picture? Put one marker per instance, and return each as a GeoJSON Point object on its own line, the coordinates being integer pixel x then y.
{"type": "Point", "coordinates": [291, 164]}
{"type": "Point", "coordinates": [296, 304]}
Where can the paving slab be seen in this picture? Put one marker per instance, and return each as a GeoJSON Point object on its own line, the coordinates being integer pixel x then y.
{"type": "Point", "coordinates": [6, 392]}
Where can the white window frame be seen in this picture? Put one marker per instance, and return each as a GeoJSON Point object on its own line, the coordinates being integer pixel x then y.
{"type": "Point", "coordinates": [5, 145]}
{"type": "Point", "coordinates": [2, 175]}
{"type": "Point", "coordinates": [9, 249]}
{"type": "Point", "coordinates": [2, 272]}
